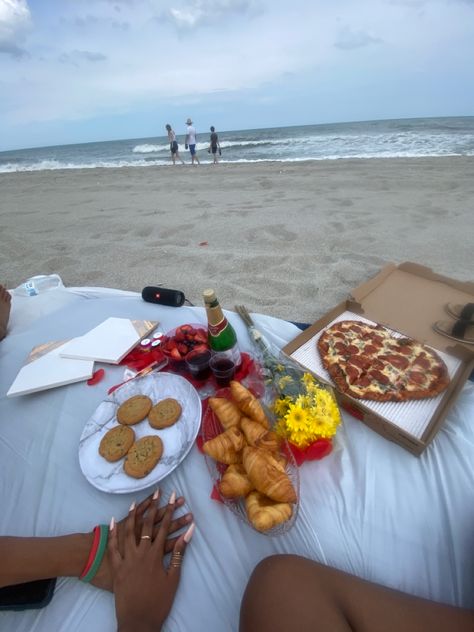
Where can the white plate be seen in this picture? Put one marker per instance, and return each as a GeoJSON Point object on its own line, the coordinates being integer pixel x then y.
{"type": "Point", "coordinates": [177, 440]}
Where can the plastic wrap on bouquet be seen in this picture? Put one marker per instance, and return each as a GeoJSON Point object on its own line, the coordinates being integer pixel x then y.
{"type": "Point", "coordinates": [305, 409]}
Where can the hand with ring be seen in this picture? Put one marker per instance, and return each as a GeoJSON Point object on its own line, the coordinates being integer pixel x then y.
{"type": "Point", "coordinates": [103, 579]}
{"type": "Point", "coordinates": [144, 586]}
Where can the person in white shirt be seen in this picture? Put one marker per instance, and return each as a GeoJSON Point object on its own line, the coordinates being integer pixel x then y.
{"type": "Point", "coordinates": [191, 141]}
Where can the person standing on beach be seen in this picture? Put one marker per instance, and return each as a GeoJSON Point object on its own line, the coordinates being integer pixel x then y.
{"type": "Point", "coordinates": [191, 141]}
{"type": "Point", "coordinates": [214, 145]}
{"type": "Point", "coordinates": [173, 145]}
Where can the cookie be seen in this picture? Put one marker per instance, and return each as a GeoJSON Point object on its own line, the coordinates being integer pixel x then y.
{"type": "Point", "coordinates": [143, 456]}
{"type": "Point", "coordinates": [134, 410]}
{"type": "Point", "coordinates": [116, 443]}
{"type": "Point", "coordinates": [165, 413]}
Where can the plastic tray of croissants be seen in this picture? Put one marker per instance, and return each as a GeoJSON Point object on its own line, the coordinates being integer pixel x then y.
{"type": "Point", "coordinates": [252, 468]}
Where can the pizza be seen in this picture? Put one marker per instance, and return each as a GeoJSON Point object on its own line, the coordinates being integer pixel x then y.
{"type": "Point", "coordinates": [369, 362]}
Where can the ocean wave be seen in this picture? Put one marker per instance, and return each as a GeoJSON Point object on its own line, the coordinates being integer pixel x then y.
{"type": "Point", "coordinates": [54, 165]}
{"type": "Point", "coordinates": [149, 148]}
{"type": "Point", "coordinates": [146, 148]}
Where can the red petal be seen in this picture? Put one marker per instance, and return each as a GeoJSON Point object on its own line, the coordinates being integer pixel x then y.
{"type": "Point", "coordinates": [317, 450]}
{"type": "Point", "coordinates": [199, 443]}
{"type": "Point", "coordinates": [215, 494]}
{"type": "Point", "coordinates": [97, 377]}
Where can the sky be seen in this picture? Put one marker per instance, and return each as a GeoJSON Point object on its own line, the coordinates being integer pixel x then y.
{"type": "Point", "coordinates": [76, 71]}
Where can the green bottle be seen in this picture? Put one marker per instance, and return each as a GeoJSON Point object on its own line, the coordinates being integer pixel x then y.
{"type": "Point", "coordinates": [220, 333]}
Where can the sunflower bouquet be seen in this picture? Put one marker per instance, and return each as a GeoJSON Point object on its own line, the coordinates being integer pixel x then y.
{"type": "Point", "coordinates": [306, 412]}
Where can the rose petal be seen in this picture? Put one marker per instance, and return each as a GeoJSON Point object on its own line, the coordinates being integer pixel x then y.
{"type": "Point", "coordinates": [97, 377]}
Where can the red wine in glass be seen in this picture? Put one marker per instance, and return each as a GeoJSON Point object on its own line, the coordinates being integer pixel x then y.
{"type": "Point", "coordinates": [223, 369]}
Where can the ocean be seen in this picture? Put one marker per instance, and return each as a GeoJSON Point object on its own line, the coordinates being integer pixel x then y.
{"type": "Point", "coordinates": [398, 138]}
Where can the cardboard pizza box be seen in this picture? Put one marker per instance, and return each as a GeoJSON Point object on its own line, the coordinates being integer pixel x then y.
{"type": "Point", "coordinates": [407, 299]}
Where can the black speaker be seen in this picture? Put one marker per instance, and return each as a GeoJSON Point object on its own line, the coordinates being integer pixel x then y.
{"type": "Point", "coordinates": [172, 298]}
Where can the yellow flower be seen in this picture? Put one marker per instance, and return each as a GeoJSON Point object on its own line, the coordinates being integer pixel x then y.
{"type": "Point", "coordinates": [284, 381]}
{"type": "Point", "coordinates": [308, 379]}
{"type": "Point", "coordinates": [280, 406]}
{"type": "Point", "coordinates": [307, 415]}
{"type": "Point", "coordinates": [296, 418]}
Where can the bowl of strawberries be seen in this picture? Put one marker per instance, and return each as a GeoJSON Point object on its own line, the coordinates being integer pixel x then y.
{"type": "Point", "coordinates": [178, 342]}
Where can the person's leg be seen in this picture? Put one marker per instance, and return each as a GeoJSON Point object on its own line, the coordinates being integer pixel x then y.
{"type": "Point", "coordinates": [287, 592]}
{"type": "Point", "coordinates": [5, 304]}
{"type": "Point", "coordinates": [194, 154]}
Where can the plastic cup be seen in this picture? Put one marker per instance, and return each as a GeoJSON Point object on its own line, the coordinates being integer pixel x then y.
{"type": "Point", "coordinates": [223, 368]}
{"type": "Point", "coordinates": [197, 363]}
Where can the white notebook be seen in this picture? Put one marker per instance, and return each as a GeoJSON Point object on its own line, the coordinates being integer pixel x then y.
{"type": "Point", "coordinates": [110, 341]}
{"type": "Point", "coordinates": [45, 369]}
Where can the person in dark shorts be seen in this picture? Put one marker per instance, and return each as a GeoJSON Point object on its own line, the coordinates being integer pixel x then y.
{"type": "Point", "coordinates": [173, 145]}
{"type": "Point", "coordinates": [214, 145]}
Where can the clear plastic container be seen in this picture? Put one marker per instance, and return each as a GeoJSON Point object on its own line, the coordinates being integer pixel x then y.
{"type": "Point", "coordinates": [38, 284]}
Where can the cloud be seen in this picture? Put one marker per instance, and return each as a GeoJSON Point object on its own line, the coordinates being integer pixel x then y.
{"type": "Point", "coordinates": [92, 21]}
{"type": "Point", "coordinates": [203, 12]}
{"type": "Point", "coordinates": [349, 39]}
{"type": "Point", "coordinates": [15, 21]}
{"type": "Point", "coordinates": [76, 56]}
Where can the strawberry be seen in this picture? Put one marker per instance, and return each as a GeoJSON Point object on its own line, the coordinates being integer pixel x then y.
{"type": "Point", "coordinates": [184, 328]}
{"type": "Point", "coordinates": [182, 348]}
{"type": "Point", "coordinates": [201, 348]}
{"type": "Point", "coordinates": [201, 337]}
{"type": "Point", "coordinates": [179, 336]}
{"type": "Point", "coordinates": [176, 355]}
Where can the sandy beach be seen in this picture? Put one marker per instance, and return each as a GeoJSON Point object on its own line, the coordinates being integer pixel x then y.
{"type": "Point", "coordinates": [286, 239]}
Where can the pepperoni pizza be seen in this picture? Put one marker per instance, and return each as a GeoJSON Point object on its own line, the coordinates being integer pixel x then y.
{"type": "Point", "coordinates": [368, 362]}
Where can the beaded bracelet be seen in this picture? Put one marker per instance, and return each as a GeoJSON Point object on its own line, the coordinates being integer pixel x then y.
{"type": "Point", "coordinates": [99, 545]}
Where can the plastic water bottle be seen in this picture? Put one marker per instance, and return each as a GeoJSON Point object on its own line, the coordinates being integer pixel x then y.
{"type": "Point", "coordinates": [38, 284]}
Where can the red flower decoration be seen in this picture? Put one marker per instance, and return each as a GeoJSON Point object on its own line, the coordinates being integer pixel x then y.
{"type": "Point", "coordinates": [317, 450]}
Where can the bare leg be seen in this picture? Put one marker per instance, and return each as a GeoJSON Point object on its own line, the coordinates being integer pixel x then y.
{"type": "Point", "coordinates": [179, 157]}
{"type": "Point", "coordinates": [287, 592]}
{"type": "Point", "coordinates": [5, 301]}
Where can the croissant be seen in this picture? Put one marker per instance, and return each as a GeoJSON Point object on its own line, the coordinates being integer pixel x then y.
{"type": "Point", "coordinates": [264, 513]}
{"type": "Point", "coordinates": [278, 460]}
{"type": "Point", "coordinates": [226, 411]}
{"type": "Point", "coordinates": [235, 482]}
{"type": "Point", "coordinates": [248, 404]}
{"type": "Point", "coordinates": [252, 430]}
{"type": "Point", "coordinates": [269, 441]}
{"type": "Point", "coordinates": [226, 447]}
{"type": "Point", "coordinates": [266, 476]}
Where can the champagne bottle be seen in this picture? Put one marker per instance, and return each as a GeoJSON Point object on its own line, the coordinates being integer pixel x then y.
{"type": "Point", "coordinates": [221, 335]}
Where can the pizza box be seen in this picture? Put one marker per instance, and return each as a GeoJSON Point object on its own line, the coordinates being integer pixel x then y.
{"type": "Point", "coordinates": [407, 299]}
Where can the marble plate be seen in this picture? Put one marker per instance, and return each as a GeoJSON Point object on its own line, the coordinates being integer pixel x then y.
{"type": "Point", "coordinates": [177, 440]}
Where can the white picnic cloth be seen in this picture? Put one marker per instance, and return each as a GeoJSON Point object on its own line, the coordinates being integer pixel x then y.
{"type": "Point", "coordinates": [370, 508]}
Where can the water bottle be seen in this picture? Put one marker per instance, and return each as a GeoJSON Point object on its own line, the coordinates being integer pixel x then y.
{"type": "Point", "coordinates": [38, 284]}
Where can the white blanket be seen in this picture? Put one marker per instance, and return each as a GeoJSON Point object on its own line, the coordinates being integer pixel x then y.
{"type": "Point", "coordinates": [370, 508]}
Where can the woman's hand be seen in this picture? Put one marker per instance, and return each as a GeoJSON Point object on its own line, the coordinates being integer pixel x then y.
{"type": "Point", "coordinates": [144, 588]}
{"type": "Point", "coordinates": [103, 578]}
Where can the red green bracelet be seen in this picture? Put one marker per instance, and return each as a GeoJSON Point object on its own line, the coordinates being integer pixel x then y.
{"type": "Point", "coordinates": [99, 545]}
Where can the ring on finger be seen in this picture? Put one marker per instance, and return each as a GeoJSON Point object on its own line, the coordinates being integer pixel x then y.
{"type": "Point", "coordinates": [145, 537]}
{"type": "Point", "coordinates": [176, 559]}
